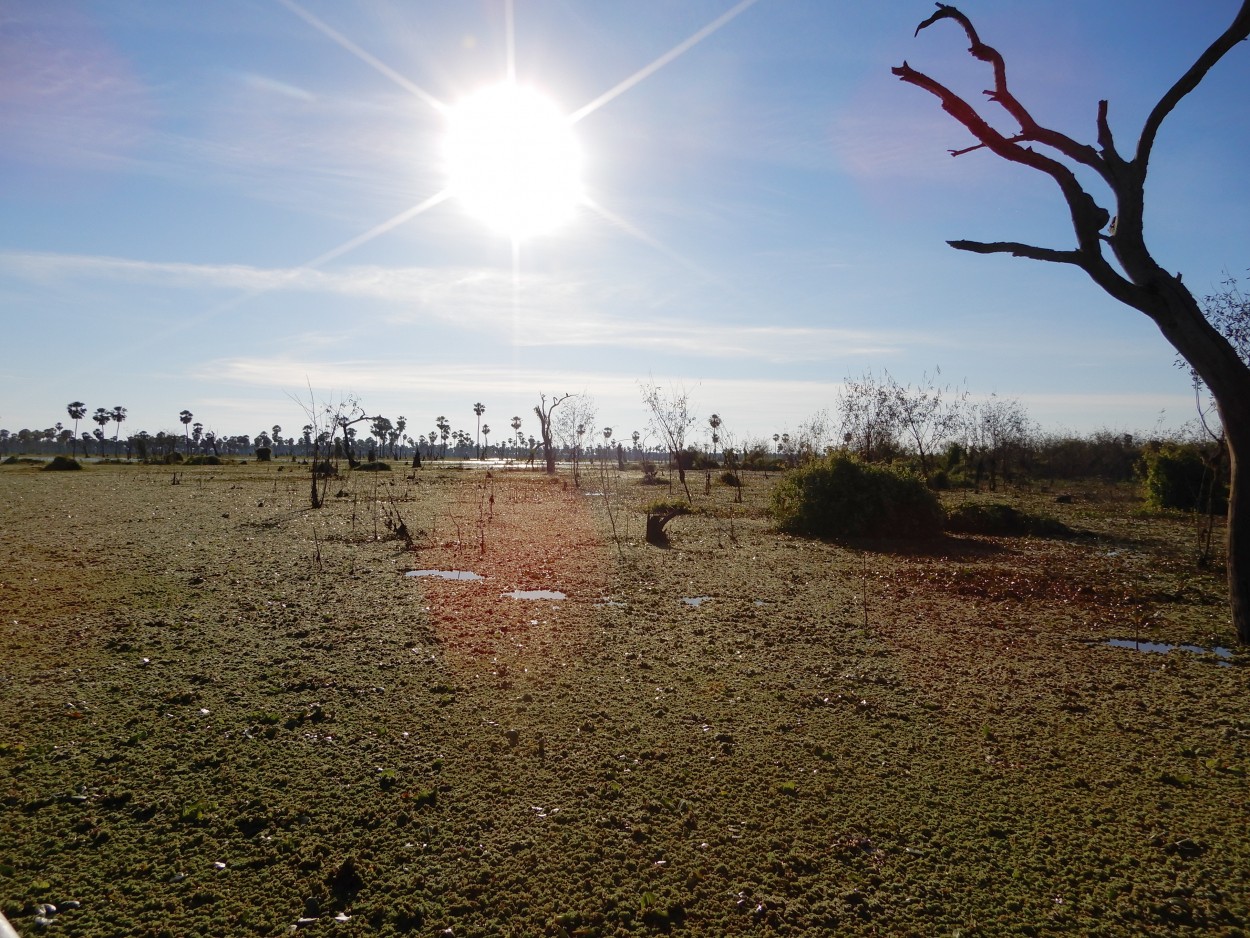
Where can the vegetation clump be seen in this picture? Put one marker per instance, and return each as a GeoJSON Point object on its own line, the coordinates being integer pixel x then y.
{"type": "Point", "coordinates": [209, 460]}
{"type": "Point", "coordinates": [1177, 476]}
{"type": "Point", "coordinates": [839, 496]}
{"type": "Point", "coordinates": [375, 466]}
{"type": "Point", "coordinates": [62, 464]}
{"type": "Point", "coordinates": [997, 518]}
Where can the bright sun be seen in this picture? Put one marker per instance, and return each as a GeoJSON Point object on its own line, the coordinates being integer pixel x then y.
{"type": "Point", "coordinates": [513, 161]}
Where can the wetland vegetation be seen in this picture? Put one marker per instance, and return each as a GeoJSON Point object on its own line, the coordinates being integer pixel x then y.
{"type": "Point", "coordinates": [222, 712]}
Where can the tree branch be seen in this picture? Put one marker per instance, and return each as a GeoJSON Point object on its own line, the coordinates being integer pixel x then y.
{"type": "Point", "coordinates": [1088, 218]}
{"type": "Point", "coordinates": [1017, 249]}
{"type": "Point", "coordinates": [1001, 95]}
{"type": "Point", "coordinates": [1236, 32]}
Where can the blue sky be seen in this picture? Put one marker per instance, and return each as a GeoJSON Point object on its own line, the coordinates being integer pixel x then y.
{"type": "Point", "coordinates": [185, 189]}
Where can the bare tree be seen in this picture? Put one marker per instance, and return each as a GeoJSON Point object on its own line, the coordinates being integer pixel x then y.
{"type": "Point", "coordinates": [869, 421]}
{"type": "Point", "coordinates": [926, 415]}
{"type": "Point", "coordinates": [571, 426]}
{"type": "Point", "coordinates": [1131, 275]}
{"type": "Point", "coordinates": [670, 420]}
{"type": "Point", "coordinates": [996, 431]}
{"type": "Point", "coordinates": [542, 411]}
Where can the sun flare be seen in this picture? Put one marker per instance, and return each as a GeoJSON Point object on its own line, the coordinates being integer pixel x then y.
{"type": "Point", "coordinates": [513, 161]}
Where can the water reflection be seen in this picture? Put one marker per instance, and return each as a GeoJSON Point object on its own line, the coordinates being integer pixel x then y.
{"type": "Point", "coordinates": [447, 574]}
{"type": "Point", "coordinates": [1162, 648]}
{"type": "Point", "coordinates": [535, 594]}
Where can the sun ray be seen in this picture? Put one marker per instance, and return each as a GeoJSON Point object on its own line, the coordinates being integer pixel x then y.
{"type": "Point", "coordinates": [636, 232]}
{"type": "Point", "coordinates": [347, 246]}
{"type": "Point", "coordinates": [379, 229]}
{"type": "Point", "coordinates": [509, 15]}
{"type": "Point", "coordinates": [648, 70]}
{"type": "Point", "coordinates": [337, 37]}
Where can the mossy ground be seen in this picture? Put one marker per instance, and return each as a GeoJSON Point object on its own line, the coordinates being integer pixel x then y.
{"type": "Point", "coordinates": [222, 712]}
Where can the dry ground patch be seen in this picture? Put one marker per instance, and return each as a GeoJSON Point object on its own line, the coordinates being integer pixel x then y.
{"type": "Point", "coordinates": [224, 713]}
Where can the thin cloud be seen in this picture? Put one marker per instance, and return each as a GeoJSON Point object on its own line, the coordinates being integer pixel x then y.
{"type": "Point", "coordinates": [551, 312]}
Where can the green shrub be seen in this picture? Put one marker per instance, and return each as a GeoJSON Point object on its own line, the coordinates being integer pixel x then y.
{"type": "Point", "coordinates": [173, 458]}
{"type": "Point", "coordinates": [1176, 476]}
{"type": "Point", "coordinates": [940, 480]}
{"type": "Point", "coordinates": [998, 519]}
{"type": "Point", "coordinates": [729, 477]}
{"type": "Point", "coordinates": [841, 497]}
{"type": "Point", "coordinates": [374, 466]}
{"type": "Point", "coordinates": [263, 454]}
{"type": "Point", "coordinates": [203, 460]}
{"type": "Point", "coordinates": [61, 464]}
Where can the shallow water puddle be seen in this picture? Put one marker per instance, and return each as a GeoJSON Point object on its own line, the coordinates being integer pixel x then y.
{"type": "Point", "coordinates": [535, 594]}
{"type": "Point", "coordinates": [1162, 648]}
{"type": "Point", "coordinates": [695, 600]}
{"type": "Point", "coordinates": [447, 574]}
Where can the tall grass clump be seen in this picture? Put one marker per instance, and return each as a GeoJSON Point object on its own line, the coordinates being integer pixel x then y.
{"type": "Point", "coordinates": [839, 496]}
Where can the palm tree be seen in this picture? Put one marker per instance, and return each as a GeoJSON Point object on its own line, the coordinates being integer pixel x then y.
{"type": "Point", "coordinates": [714, 423]}
{"type": "Point", "coordinates": [485, 433]}
{"type": "Point", "coordinates": [777, 441]}
{"type": "Point", "coordinates": [197, 431]}
{"type": "Point", "coordinates": [77, 410]}
{"type": "Point", "coordinates": [401, 424]}
{"type": "Point", "coordinates": [637, 438]}
{"type": "Point", "coordinates": [118, 416]}
{"type": "Point", "coordinates": [444, 431]}
{"type": "Point", "coordinates": [101, 417]}
{"type": "Point", "coordinates": [516, 432]}
{"type": "Point", "coordinates": [479, 409]}
{"type": "Point", "coordinates": [185, 416]}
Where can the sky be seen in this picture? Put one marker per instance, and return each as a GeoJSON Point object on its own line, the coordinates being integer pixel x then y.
{"type": "Point", "coordinates": [238, 207]}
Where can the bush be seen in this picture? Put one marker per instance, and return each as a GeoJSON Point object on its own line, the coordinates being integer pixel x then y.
{"type": "Point", "coordinates": [940, 480]}
{"type": "Point", "coordinates": [61, 464]}
{"type": "Point", "coordinates": [174, 458]}
{"type": "Point", "coordinates": [203, 460]}
{"type": "Point", "coordinates": [263, 454]}
{"type": "Point", "coordinates": [1177, 476]}
{"type": "Point", "coordinates": [841, 497]}
{"type": "Point", "coordinates": [374, 466]}
{"type": "Point", "coordinates": [729, 477]}
{"type": "Point", "coordinates": [999, 519]}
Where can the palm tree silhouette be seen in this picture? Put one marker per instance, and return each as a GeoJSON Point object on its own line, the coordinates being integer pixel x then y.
{"type": "Point", "coordinates": [77, 410]}
{"type": "Point", "coordinates": [117, 416]}
{"type": "Point", "coordinates": [197, 431]}
{"type": "Point", "coordinates": [101, 417]}
{"type": "Point", "coordinates": [714, 423]}
{"type": "Point", "coordinates": [479, 409]}
{"type": "Point", "coordinates": [485, 433]}
{"type": "Point", "coordinates": [444, 431]}
{"type": "Point", "coordinates": [516, 431]}
{"type": "Point", "coordinates": [185, 416]}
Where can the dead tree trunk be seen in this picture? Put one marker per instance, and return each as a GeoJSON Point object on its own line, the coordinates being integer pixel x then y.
{"type": "Point", "coordinates": [1131, 275]}
{"type": "Point", "coordinates": [543, 412]}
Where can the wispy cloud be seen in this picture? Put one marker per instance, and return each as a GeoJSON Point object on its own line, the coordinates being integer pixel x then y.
{"type": "Point", "coordinates": [539, 310]}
